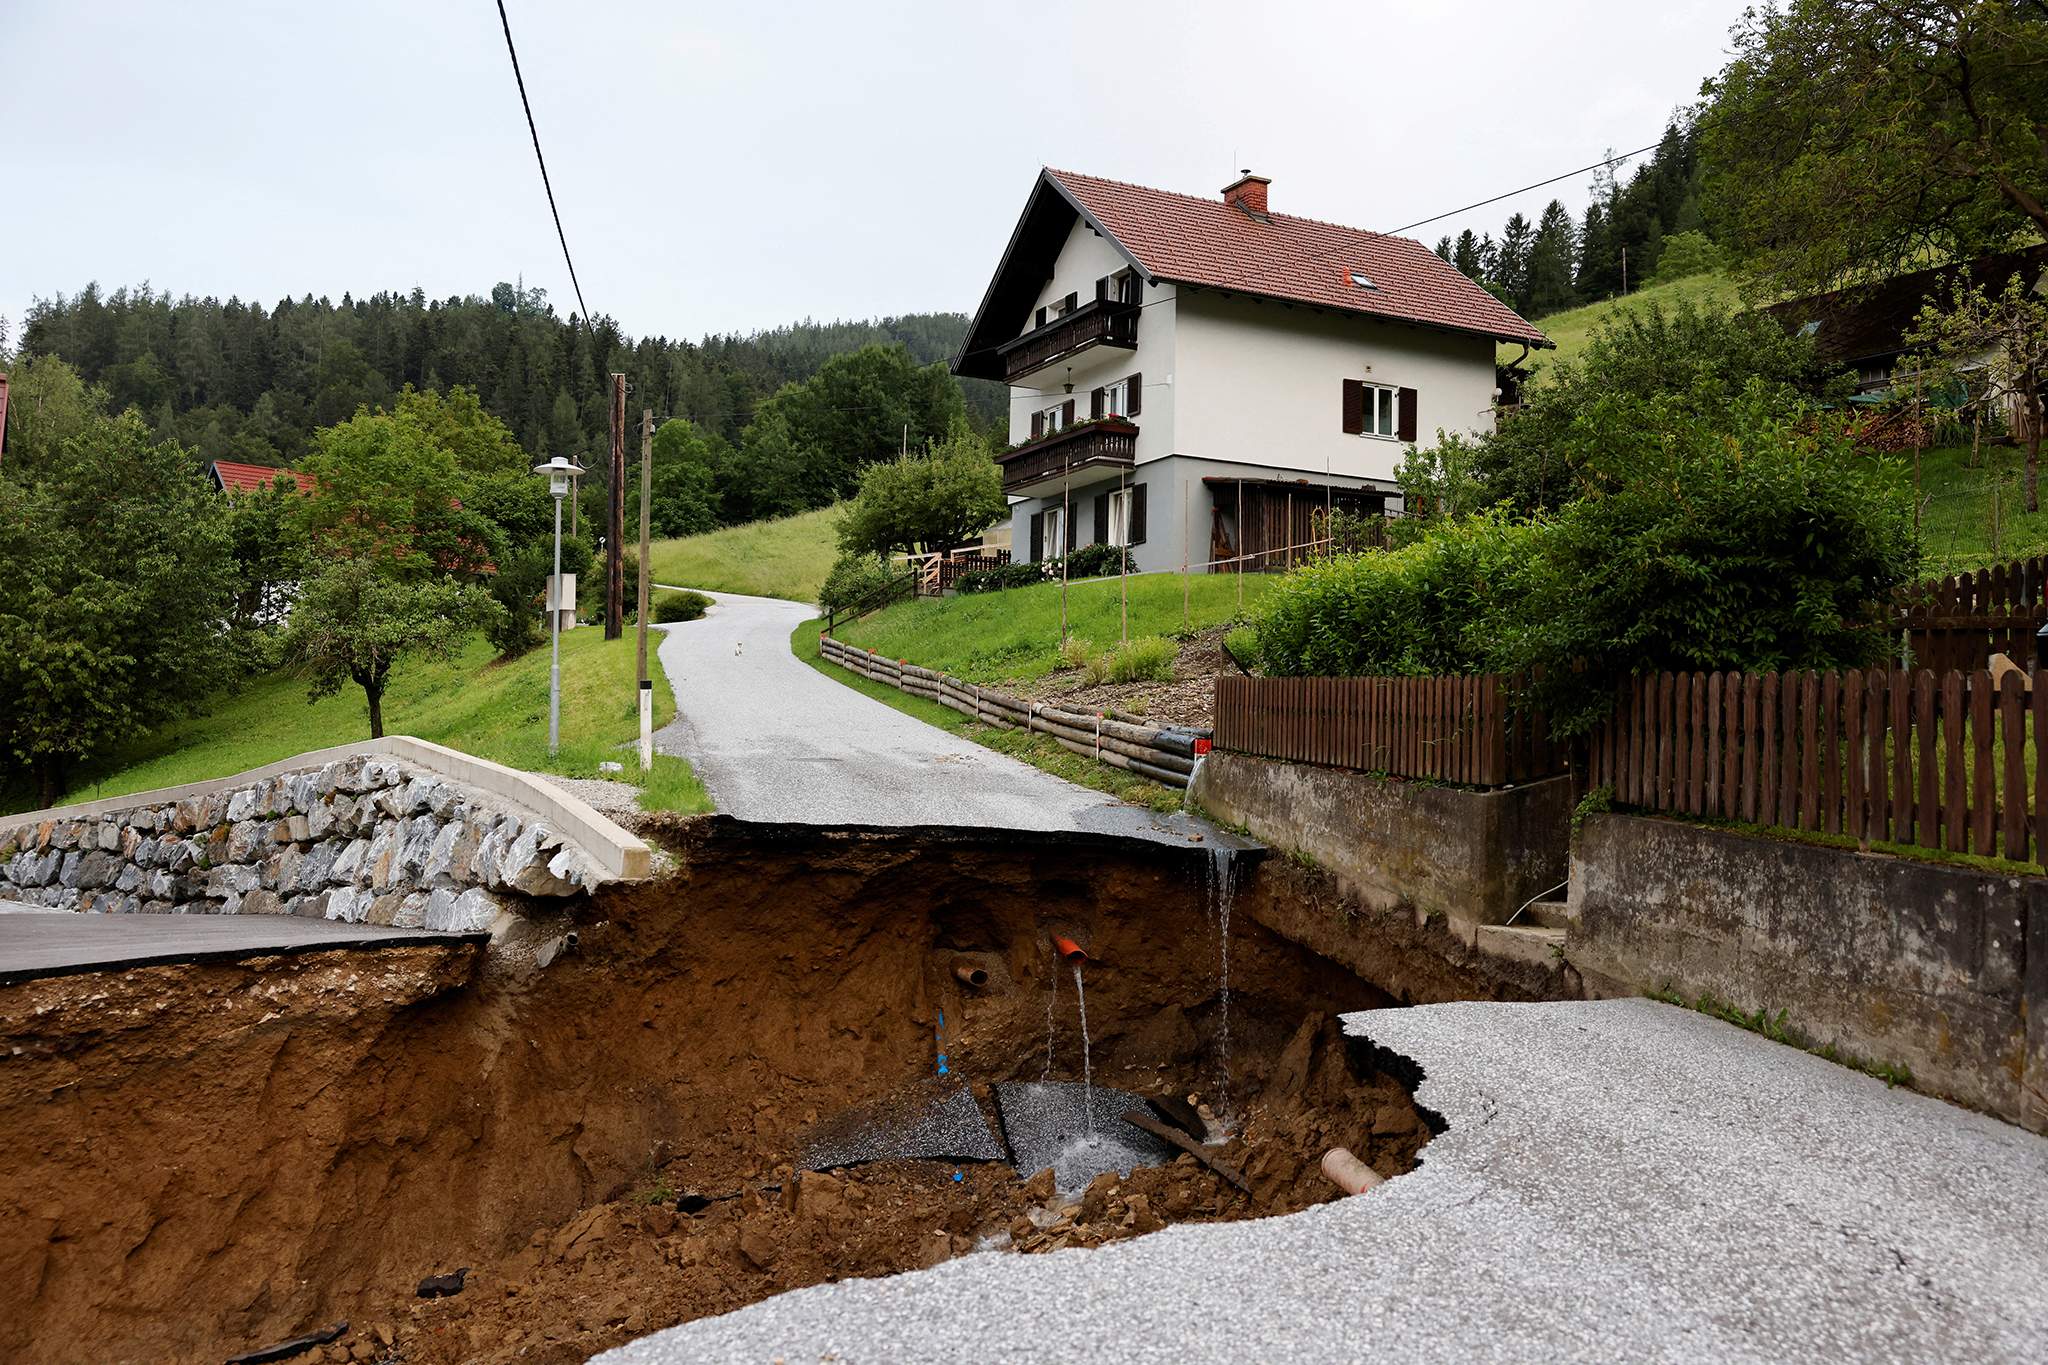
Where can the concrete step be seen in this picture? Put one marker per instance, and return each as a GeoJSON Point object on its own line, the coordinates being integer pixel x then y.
{"type": "Point", "coordinates": [1535, 944]}
{"type": "Point", "coordinates": [1549, 915]}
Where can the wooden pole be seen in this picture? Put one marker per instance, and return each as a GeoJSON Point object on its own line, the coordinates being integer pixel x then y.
{"type": "Point", "coordinates": [1066, 539]}
{"type": "Point", "coordinates": [615, 539]}
{"type": "Point", "coordinates": [1123, 558]}
{"type": "Point", "coordinates": [646, 571]}
{"type": "Point", "coordinates": [1240, 545]}
{"type": "Point", "coordinates": [1187, 492]}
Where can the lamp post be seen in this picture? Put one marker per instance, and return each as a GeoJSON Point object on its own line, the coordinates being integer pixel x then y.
{"type": "Point", "coordinates": [559, 471]}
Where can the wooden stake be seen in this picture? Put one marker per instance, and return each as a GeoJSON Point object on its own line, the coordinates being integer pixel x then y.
{"type": "Point", "coordinates": [615, 542]}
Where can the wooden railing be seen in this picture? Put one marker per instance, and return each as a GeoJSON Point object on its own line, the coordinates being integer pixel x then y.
{"type": "Point", "coordinates": [1477, 730]}
{"type": "Point", "coordinates": [1099, 322]}
{"type": "Point", "coordinates": [1946, 761]}
{"type": "Point", "coordinates": [1110, 441]}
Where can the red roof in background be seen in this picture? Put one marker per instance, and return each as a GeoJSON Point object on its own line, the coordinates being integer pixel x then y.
{"type": "Point", "coordinates": [232, 477]}
{"type": "Point", "coordinates": [1186, 240]}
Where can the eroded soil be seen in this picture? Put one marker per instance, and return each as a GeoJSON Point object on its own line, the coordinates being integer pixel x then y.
{"type": "Point", "coordinates": [204, 1160]}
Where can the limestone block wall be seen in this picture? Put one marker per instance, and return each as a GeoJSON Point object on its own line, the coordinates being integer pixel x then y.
{"type": "Point", "coordinates": [363, 838]}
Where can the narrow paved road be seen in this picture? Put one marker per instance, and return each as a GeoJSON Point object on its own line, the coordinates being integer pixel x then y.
{"type": "Point", "coordinates": [775, 740]}
{"type": "Point", "coordinates": [1620, 1181]}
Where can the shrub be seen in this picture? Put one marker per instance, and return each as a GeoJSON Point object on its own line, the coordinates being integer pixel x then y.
{"type": "Point", "coordinates": [673, 607]}
{"type": "Point", "coordinates": [1094, 561]}
{"type": "Point", "coordinates": [1145, 660]}
{"type": "Point", "coordinates": [1076, 654]}
{"type": "Point", "coordinates": [1000, 577]}
{"type": "Point", "coordinates": [854, 578]}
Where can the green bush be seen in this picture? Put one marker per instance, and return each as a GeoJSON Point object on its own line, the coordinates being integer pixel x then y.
{"type": "Point", "coordinates": [673, 607]}
{"type": "Point", "coordinates": [1146, 660]}
{"type": "Point", "coordinates": [854, 578]}
{"type": "Point", "coordinates": [1094, 561]}
{"type": "Point", "coordinates": [999, 578]}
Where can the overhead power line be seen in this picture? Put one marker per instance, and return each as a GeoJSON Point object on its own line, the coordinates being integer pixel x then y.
{"type": "Point", "coordinates": [1614, 160]}
{"type": "Point", "coordinates": [537, 156]}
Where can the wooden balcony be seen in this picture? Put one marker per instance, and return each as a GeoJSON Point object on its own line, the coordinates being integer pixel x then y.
{"type": "Point", "coordinates": [1099, 322]}
{"type": "Point", "coordinates": [1109, 443]}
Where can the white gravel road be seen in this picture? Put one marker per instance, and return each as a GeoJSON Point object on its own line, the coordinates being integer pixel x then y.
{"type": "Point", "coordinates": [775, 740]}
{"type": "Point", "coordinates": [1619, 1181]}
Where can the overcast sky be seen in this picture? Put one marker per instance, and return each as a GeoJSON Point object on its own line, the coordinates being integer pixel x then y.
{"type": "Point", "coordinates": [737, 166]}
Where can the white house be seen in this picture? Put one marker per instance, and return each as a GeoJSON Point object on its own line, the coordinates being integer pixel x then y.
{"type": "Point", "coordinates": [1207, 376]}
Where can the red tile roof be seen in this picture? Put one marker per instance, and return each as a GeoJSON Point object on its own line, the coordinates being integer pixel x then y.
{"type": "Point", "coordinates": [249, 478]}
{"type": "Point", "coordinates": [1187, 240]}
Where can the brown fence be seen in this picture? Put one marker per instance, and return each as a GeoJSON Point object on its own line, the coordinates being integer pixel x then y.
{"type": "Point", "coordinates": [1960, 621]}
{"type": "Point", "coordinates": [1471, 730]}
{"type": "Point", "coordinates": [1943, 761]}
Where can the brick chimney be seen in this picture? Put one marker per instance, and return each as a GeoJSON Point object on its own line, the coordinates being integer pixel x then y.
{"type": "Point", "coordinates": [1248, 192]}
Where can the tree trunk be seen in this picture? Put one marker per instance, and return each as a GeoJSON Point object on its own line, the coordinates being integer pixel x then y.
{"type": "Point", "coordinates": [2034, 466]}
{"type": "Point", "coordinates": [49, 773]}
{"type": "Point", "coordinates": [376, 696]}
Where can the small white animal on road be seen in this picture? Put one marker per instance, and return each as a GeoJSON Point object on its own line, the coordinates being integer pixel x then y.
{"type": "Point", "coordinates": [737, 645]}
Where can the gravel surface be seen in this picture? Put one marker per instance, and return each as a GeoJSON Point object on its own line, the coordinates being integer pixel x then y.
{"type": "Point", "coordinates": [601, 794]}
{"type": "Point", "coordinates": [1620, 1180]}
{"type": "Point", "coordinates": [776, 741]}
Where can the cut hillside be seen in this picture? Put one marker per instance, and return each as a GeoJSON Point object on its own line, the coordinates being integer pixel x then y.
{"type": "Point", "coordinates": [788, 557]}
{"type": "Point", "coordinates": [475, 702]}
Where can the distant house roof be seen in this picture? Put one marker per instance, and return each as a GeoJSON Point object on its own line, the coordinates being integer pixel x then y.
{"type": "Point", "coordinates": [230, 476]}
{"type": "Point", "coordinates": [1212, 244]}
{"type": "Point", "coordinates": [1869, 322]}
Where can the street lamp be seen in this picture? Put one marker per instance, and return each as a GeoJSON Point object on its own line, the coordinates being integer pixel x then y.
{"type": "Point", "coordinates": [559, 471]}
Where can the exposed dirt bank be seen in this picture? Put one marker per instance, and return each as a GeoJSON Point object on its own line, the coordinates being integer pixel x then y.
{"type": "Point", "coordinates": [208, 1159]}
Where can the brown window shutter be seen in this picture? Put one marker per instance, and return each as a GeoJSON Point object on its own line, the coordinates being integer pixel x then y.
{"type": "Point", "coordinates": [1101, 519]}
{"type": "Point", "coordinates": [1073, 528]}
{"type": "Point", "coordinates": [1073, 302]}
{"type": "Point", "coordinates": [1037, 425]}
{"type": "Point", "coordinates": [1095, 400]}
{"type": "Point", "coordinates": [1137, 527]}
{"type": "Point", "coordinates": [1135, 404]}
{"type": "Point", "coordinates": [1102, 288]}
{"type": "Point", "coordinates": [1041, 317]}
{"type": "Point", "coordinates": [1067, 411]}
{"type": "Point", "coordinates": [1037, 536]}
{"type": "Point", "coordinates": [1406, 428]}
{"type": "Point", "coordinates": [1354, 407]}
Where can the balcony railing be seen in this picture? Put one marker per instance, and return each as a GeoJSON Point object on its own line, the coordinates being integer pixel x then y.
{"type": "Point", "coordinates": [1108, 442]}
{"type": "Point", "coordinates": [1099, 322]}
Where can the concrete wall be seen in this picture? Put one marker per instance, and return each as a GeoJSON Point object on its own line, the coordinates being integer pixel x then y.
{"type": "Point", "coordinates": [1941, 969]}
{"type": "Point", "coordinates": [1473, 857]}
{"type": "Point", "coordinates": [1263, 383]}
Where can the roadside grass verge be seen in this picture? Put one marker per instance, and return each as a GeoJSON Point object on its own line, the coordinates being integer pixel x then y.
{"type": "Point", "coordinates": [788, 557]}
{"type": "Point", "coordinates": [1015, 634]}
{"type": "Point", "coordinates": [1776, 1028]}
{"type": "Point", "coordinates": [1040, 751]}
{"type": "Point", "coordinates": [473, 702]}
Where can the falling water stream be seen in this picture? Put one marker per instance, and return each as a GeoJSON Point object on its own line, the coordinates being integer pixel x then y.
{"type": "Point", "coordinates": [1087, 1066]}
{"type": "Point", "coordinates": [1052, 997]}
{"type": "Point", "coordinates": [1225, 890]}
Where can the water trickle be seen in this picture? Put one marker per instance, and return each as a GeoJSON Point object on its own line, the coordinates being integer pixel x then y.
{"type": "Point", "coordinates": [1224, 890]}
{"type": "Point", "coordinates": [1087, 1066]}
{"type": "Point", "coordinates": [1052, 997]}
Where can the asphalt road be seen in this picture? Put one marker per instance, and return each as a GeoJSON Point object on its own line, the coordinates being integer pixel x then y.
{"type": "Point", "coordinates": [38, 943]}
{"type": "Point", "coordinates": [1619, 1181]}
{"type": "Point", "coordinates": [775, 740]}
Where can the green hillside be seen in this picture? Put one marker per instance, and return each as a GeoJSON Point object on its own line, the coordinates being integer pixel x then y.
{"type": "Point", "coordinates": [785, 558]}
{"type": "Point", "coordinates": [1572, 328]}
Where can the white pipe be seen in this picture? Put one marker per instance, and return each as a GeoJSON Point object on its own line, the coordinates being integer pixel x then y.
{"type": "Point", "coordinates": [1348, 1173]}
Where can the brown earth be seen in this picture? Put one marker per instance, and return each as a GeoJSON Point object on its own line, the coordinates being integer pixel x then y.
{"type": "Point", "coordinates": [1190, 699]}
{"type": "Point", "coordinates": [207, 1159]}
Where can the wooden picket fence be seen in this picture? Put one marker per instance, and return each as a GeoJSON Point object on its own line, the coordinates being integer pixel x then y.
{"type": "Point", "coordinates": [1475, 730]}
{"type": "Point", "coordinates": [1960, 621]}
{"type": "Point", "coordinates": [1944, 761]}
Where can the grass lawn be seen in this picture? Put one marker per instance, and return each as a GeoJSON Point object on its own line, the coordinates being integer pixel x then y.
{"type": "Point", "coordinates": [785, 558]}
{"type": "Point", "coordinates": [473, 703]}
{"type": "Point", "coordinates": [1572, 328]}
{"type": "Point", "coordinates": [1957, 506]}
{"type": "Point", "coordinates": [1040, 751]}
{"type": "Point", "coordinates": [991, 637]}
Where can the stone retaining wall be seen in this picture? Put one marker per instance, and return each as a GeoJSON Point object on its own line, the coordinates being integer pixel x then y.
{"type": "Point", "coordinates": [364, 839]}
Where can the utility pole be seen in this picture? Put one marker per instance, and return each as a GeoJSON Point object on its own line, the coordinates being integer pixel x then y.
{"type": "Point", "coordinates": [646, 681]}
{"type": "Point", "coordinates": [615, 544]}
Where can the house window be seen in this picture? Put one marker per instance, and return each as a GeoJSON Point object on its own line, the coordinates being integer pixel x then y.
{"type": "Point", "coordinates": [1380, 409]}
{"type": "Point", "coordinates": [1123, 286]}
{"type": "Point", "coordinates": [1120, 518]}
{"type": "Point", "coordinates": [1055, 544]}
{"type": "Point", "coordinates": [1053, 418]}
{"type": "Point", "coordinates": [1059, 307]}
{"type": "Point", "coordinates": [1362, 280]}
{"type": "Point", "coordinates": [1116, 398]}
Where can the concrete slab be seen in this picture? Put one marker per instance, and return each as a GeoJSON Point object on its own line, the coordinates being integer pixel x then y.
{"type": "Point", "coordinates": [937, 1123]}
{"type": "Point", "coordinates": [43, 943]}
{"type": "Point", "coordinates": [1620, 1180]}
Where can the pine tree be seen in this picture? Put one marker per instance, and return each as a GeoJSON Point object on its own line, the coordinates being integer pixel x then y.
{"type": "Point", "coordinates": [1465, 255]}
{"type": "Point", "coordinates": [1443, 249]}
{"type": "Point", "coordinates": [1551, 254]}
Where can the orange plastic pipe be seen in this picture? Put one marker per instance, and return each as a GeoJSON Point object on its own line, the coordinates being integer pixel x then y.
{"type": "Point", "coordinates": [1069, 950]}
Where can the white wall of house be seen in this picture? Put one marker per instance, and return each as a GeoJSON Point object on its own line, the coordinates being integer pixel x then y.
{"type": "Point", "coordinates": [1262, 383]}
